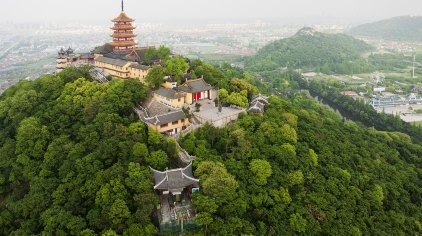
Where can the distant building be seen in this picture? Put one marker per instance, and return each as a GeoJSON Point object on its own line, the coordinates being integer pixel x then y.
{"type": "Point", "coordinates": [351, 94]}
{"type": "Point", "coordinates": [67, 58]}
{"type": "Point", "coordinates": [417, 89]}
{"type": "Point", "coordinates": [379, 89]}
{"type": "Point", "coordinates": [381, 102]}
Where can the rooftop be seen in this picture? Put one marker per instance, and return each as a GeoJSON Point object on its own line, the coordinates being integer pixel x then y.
{"type": "Point", "coordinates": [167, 118]}
{"type": "Point", "coordinates": [257, 107]}
{"type": "Point", "coordinates": [169, 93]}
{"type": "Point", "coordinates": [194, 86]}
{"type": "Point", "coordinates": [176, 179]}
{"type": "Point", "coordinates": [123, 18]}
{"type": "Point", "coordinates": [111, 61]}
{"type": "Point", "coordinates": [106, 48]}
{"type": "Point", "coordinates": [139, 66]}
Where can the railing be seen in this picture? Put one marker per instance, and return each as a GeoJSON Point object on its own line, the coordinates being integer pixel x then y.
{"type": "Point", "coordinates": [95, 74]}
{"type": "Point", "coordinates": [177, 228]}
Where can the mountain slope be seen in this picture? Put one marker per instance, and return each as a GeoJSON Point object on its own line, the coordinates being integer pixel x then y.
{"type": "Point", "coordinates": [406, 28]}
{"type": "Point", "coordinates": [307, 48]}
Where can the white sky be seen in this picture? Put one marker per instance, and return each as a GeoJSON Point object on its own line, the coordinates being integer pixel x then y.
{"type": "Point", "coordinates": [90, 11]}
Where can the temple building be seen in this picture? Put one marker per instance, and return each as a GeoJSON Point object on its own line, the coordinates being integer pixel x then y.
{"type": "Point", "coordinates": [175, 188]}
{"type": "Point", "coordinates": [169, 123]}
{"type": "Point", "coordinates": [197, 90]}
{"type": "Point", "coordinates": [121, 58]}
{"type": "Point", "coordinates": [68, 58]}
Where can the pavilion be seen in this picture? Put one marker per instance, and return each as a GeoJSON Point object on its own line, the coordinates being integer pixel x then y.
{"type": "Point", "coordinates": [175, 188]}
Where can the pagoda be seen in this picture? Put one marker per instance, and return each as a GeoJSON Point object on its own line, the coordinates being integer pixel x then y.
{"type": "Point", "coordinates": [123, 36]}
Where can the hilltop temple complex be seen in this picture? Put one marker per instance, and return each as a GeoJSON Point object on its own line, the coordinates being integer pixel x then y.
{"type": "Point", "coordinates": [120, 58]}
{"type": "Point", "coordinates": [177, 106]}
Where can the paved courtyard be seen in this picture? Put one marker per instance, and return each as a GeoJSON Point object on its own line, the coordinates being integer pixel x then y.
{"type": "Point", "coordinates": [217, 118]}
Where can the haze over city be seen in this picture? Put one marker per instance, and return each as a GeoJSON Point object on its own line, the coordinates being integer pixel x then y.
{"type": "Point", "coordinates": [300, 11]}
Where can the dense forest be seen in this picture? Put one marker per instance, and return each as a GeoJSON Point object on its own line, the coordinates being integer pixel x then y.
{"type": "Point", "coordinates": [74, 160]}
{"type": "Point", "coordinates": [300, 169]}
{"type": "Point", "coordinates": [310, 49]}
{"type": "Point", "coordinates": [405, 28]}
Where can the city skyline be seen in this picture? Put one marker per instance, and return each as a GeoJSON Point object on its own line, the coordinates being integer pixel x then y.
{"type": "Point", "coordinates": [189, 11]}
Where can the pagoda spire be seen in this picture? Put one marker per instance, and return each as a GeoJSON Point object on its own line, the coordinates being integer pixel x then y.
{"type": "Point", "coordinates": [123, 6]}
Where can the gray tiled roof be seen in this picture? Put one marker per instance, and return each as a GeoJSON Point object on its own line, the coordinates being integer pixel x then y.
{"type": "Point", "coordinates": [167, 118]}
{"type": "Point", "coordinates": [194, 86]}
{"type": "Point", "coordinates": [111, 61]}
{"type": "Point", "coordinates": [257, 107]}
{"type": "Point", "coordinates": [261, 99]}
{"type": "Point", "coordinates": [139, 66]}
{"type": "Point", "coordinates": [174, 179]}
{"type": "Point", "coordinates": [106, 48]}
{"type": "Point", "coordinates": [169, 93]}
{"type": "Point", "coordinates": [117, 55]}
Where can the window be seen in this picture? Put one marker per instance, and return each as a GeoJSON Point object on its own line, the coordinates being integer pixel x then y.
{"type": "Point", "coordinates": [163, 126]}
{"type": "Point", "coordinates": [175, 123]}
{"type": "Point", "coordinates": [178, 100]}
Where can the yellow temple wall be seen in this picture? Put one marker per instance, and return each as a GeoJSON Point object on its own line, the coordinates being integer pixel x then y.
{"type": "Point", "coordinates": [117, 71]}
{"type": "Point", "coordinates": [171, 126]}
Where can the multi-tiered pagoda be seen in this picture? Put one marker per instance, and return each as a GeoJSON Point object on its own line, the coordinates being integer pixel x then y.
{"type": "Point", "coordinates": [123, 36]}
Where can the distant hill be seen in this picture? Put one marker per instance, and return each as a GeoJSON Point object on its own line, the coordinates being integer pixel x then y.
{"type": "Point", "coordinates": [403, 28]}
{"type": "Point", "coordinates": [307, 48]}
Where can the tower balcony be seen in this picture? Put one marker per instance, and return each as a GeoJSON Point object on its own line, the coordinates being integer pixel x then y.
{"type": "Point", "coordinates": [123, 27]}
{"type": "Point", "coordinates": [123, 44]}
{"type": "Point", "coordinates": [123, 35]}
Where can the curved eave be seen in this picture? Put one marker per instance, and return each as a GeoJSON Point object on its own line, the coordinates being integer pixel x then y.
{"type": "Point", "coordinates": [123, 18]}
{"type": "Point", "coordinates": [115, 20]}
{"type": "Point", "coordinates": [123, 27]}
{"type": "Point", "coordinates": [123, 35]}
{"type": "Point", "coordinates": [123, 44]}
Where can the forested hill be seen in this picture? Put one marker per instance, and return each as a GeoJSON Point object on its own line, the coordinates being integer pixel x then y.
{"type": "Point", "coordinates": [74, 160]}
{"type": "Point", "coordinates": [308, 48]}
{"type": "Point", "coordinates": [404, 28]}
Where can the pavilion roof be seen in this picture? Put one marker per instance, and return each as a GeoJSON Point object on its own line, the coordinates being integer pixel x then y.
{"type": "Point", "coordinates": [174, 179]}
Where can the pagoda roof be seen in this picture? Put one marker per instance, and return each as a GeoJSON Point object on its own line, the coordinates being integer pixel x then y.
{"type": "Point", "coordinates": [123, 27]}
{"type": "Point", "coordinates": [123, 35]}
{"type": "Point", "coordinates": [123, 43]}
{"type": "Point", "coordinates": [174, 179]}
{"type": "Point", "coordinates": [194, 86]}
{"type": "Point", "coordinates": [123, 18]}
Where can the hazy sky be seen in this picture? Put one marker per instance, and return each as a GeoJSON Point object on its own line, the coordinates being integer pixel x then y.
{"type": "Point", "coordinates": [96, 11]}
